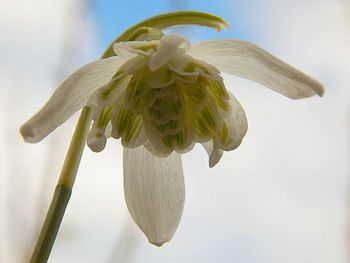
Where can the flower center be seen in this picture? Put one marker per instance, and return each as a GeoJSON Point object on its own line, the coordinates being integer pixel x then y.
{"type": "Point", "coordinates": [166, 110]}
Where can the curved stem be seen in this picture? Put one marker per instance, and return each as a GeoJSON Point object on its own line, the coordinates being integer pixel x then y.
{"type": "Point", "coordinates": [63, 190]}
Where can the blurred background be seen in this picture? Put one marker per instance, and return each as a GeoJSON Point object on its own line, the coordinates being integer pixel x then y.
{"type": "Point", "coordinates": [282, 196]}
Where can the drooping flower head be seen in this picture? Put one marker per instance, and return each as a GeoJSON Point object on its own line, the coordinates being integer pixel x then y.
{"type": "Point", "coordinates": [166, 100]}
{"type": "Point", "coordinates": [160, 96]}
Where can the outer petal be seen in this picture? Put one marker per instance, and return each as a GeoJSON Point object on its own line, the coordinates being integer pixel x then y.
{"type": "Point", "coordinates": [251, 62]}
{"type": "Point", "coordinates": [154, 192]}
{"type": "Point", "coordinates": [237, 125]}
{"type": "Point", "coordinates": [214, 154]}
{"type": "Point", "coordinates": [69, 97]}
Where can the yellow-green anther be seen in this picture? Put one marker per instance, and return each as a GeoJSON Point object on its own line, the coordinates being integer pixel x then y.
{"type": "Point", "coordinates": [169, 20]}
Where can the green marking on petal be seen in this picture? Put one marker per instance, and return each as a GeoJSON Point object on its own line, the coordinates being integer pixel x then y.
{"type": "Point", "coordinates": [201, 128]}
{"type": "Point", "coordinates": [196, 96]}
{"type": "Point", "coordinates": [208, 121]}
{"type": "Point", "coordinates": [168, 141]}
{"type": "Point", "coordinates": [219, 93]}
{"type": "Point", "coordinates": [112, 90]}
{"type": "Point", "coordinates": [186, 135]}
{"type": "Point", "coordinates": [169, 20]}
{"type": "Point", "coordinates": [172, 127]}
{"type": "Point", "coordinates": [136, 88]}
{"type": "Point", "coordinates": [157, 102]}
{"type": "Point", "coordinates": [218, 88]}
{"type": "Point", "coordinates": [224, 134]}
{"type": "Point", "coordinates": [181, 138]}
{"type": "Point", "coordinates": [104, 118]}
{"type": "Point", "coordinates": [208, 117]}
{"type": "Point", "coordinates": [132, 130]}
{"type": "Point", "coordinates": [120, 122]}
{"type": "Point", "coordinates": [157, 116]}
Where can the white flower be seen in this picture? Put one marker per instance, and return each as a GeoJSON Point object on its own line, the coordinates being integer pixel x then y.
{"type": "Point", "coordinates": [161, 97]}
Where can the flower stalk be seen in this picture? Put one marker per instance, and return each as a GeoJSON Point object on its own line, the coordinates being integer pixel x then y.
{"type": "Point", "coordinates": [70, 167]}
{"type": "Point", "coordinates": [63, 190]}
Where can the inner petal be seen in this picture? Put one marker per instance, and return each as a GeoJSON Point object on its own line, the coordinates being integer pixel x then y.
{"type": "Point", "coordinates": [169, 47]}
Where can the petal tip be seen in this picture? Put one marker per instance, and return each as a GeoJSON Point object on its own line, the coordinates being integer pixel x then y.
{"type": "Point", "coordinates": [28, 134]}
{"type": "Point", "coordinates": [215, 157]}
{"type": "Point", "coordinates": [320, 90]}
{"type": "Point", "coordinates": [96, 142]}
{"type": "Point", "coordinates": [317, 88]}
{"type": "Point", "coordinates": [222, 25]}
{"type": "Point", "coordinates": [158, 243]}
{"type": "Point", "coordinates": [211, 165]}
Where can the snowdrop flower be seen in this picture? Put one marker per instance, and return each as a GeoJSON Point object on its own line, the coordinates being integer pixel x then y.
{"type": "Point", "coordinates": [161, 97]}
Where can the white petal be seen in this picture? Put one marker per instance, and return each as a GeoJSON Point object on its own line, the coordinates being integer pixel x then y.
{"type": "Point", "coordinates": [108, 131]}
{"type": "Point", "coordinates": [251, 62]}
{"type": "Point", "coordinates": [115, 88]}
{"type": "Point", "coordinates": [154, 192]}
{"type": "Point", "coordinates": [160, 153]}
{"type": "Point", "coordinates": [237, 123]}
{"type": "Point", "coordinates": [96, 139]}
{"type": "Point", "coordinates": [133, 64]}
{"type": "Point", "coordinates": [129, 49]}
{"type": "Point", "coordinates": [179, 63]}
{"type": "Point", "coordinates": [214, 154]}
{"type": "Point", "coordinates": [169, 46]}
{"type": "Point", "coordinates": [69, 97]}
{"type": "Point", "coordinates": [159, 79]}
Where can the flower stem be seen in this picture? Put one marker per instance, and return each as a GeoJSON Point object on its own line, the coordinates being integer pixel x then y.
{"type": "Point", "coordinates": [63, 190]}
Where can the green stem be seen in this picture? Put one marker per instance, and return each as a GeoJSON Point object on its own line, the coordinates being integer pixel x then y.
{"type": "Point", "coordinates": [63, 190]}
